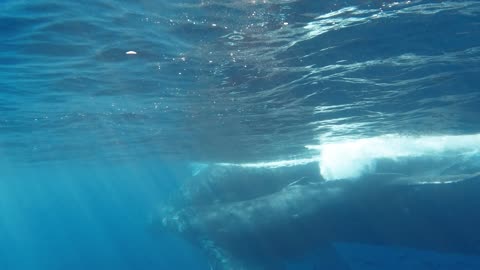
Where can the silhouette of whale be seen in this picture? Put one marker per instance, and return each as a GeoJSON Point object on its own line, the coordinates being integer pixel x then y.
{"type": "Point", "coordinates": [264, 231]}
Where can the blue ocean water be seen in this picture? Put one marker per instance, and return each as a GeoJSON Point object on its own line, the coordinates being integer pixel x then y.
{"type": "Point", "coordinates": [106, 107]}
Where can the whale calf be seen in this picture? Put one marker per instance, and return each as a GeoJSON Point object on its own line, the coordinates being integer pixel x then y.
{"type": "Point", "coordinates": [222, 184]}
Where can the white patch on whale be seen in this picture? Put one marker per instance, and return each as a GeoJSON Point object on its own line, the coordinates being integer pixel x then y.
{"type": "Point", "coordinates": [353, 158]}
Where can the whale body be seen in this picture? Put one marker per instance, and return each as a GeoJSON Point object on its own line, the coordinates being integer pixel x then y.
{"type": "Point", "coordinates": [264, 231]}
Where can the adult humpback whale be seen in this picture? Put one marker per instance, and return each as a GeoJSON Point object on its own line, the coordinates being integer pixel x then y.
{"type": "Point", "coordinates": [261, 232]}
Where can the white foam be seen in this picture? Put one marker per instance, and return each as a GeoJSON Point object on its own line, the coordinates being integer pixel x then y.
{"type": "Point", "coordinates": [353, 158]}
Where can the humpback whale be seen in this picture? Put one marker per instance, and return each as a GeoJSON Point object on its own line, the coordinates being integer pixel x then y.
{"type": "Point", "coordinates": [287, 219]}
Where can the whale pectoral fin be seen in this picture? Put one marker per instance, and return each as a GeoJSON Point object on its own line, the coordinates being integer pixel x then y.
{"type": "Point", "coordinates": [220, 259]}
